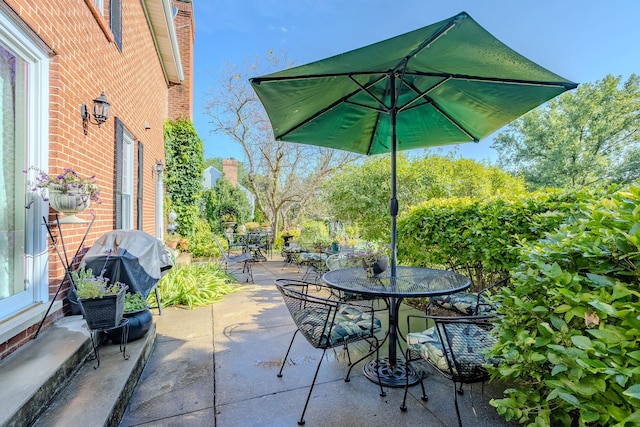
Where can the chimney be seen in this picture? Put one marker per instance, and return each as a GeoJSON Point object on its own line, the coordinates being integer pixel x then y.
{"type": "Point", "coordinates": [230, 171]}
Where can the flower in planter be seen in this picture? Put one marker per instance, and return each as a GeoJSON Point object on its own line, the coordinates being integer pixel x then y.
{"type": "Point", "coordinates": [89, 286]}
{"type": "Point", "coordinates": [68, 182]}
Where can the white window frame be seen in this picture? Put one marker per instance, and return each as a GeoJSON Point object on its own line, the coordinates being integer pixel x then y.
{"type": "Point", "coordinates": [36, 153]}
{"type": "Point", "coordinates": [127, 180]}
{"type": "Point", "coordinates": [100, 6]}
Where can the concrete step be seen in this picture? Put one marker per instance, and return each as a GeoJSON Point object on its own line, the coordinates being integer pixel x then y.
{"type": "Point", "coordinates": [52, 380]}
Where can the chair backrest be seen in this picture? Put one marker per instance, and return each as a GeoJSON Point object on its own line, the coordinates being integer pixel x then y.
{"type": "Point", "coordinates": [222, 251]}
{"type": "Point", "coordinates": [342, 260]}
{"type": "Point", "coordinates": [465, 340]}
{"type": "Point", "coordinates": [323, 321]}
{"type": "Point", "coordinates": [314, 315]}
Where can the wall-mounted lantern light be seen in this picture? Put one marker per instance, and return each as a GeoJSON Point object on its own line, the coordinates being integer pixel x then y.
{"type": "Point", "coordinates": [159, 167]}
{"type": "Point", "coordinates": [100, 112]}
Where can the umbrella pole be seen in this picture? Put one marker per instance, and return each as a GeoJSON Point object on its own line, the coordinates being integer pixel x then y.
{"type": "Point", "coordinates": [393, 202]}
{"type": "Point", "coordinates": [393, 210]}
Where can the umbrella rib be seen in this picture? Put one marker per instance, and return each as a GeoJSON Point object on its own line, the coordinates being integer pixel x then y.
{"type": "Point", "coordinates": [384, 108]}
{"type": "Point", "coordinates": [344, 99]}
{"type": "Point", "coordinates": [454, 122]}
{"type": "Point", "coordinates": [567, 85]}
{"type": "Point", "coordinates": [427, 43]}
{"type": "Point", "coordinates": [420, 94]}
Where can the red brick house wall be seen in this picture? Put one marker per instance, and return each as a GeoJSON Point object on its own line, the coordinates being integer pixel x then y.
{"type": "Point", "coordinates": [87, 62]}
{"type": "Point", "coordinates": [181, 96]}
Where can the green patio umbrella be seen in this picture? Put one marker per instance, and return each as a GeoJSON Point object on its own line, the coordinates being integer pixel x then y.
{"type": "Point", "coordinates": [447, 83]}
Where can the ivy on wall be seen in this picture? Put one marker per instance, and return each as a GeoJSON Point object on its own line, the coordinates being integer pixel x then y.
{"type": "Point", "coordinates": [185, 165]}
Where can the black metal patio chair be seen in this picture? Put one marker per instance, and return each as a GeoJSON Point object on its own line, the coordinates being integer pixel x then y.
{"type": "Point", "coordinates": [235, 243]}
{"type": "Point", "coordinates": [455, 346]}
{"type": "Point", "coordinates": [468, 303]}
{"type": "Point", "coordinates": [327, 323]}
{"type": "Point", "coordinates": [244, 258]}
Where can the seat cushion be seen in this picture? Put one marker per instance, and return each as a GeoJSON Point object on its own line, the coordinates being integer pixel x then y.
{"type": "Point", "coordinates": [463, 303]}
{"type": "Point", "coordinates": [349, 324]}
{"type": "Point", "coordinates": [467, 341]}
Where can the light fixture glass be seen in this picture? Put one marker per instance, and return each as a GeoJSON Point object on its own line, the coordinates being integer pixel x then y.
{"type": "Point", "coordinates": [100, 111]}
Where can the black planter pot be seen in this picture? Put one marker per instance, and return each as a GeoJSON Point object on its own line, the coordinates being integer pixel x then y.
{"type": "Point", "coordinates": [139, 324]}
{"type": "Point", "coordinates": [377, 267]}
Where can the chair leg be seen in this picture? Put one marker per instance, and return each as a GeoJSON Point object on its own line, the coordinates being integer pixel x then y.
{"type": "Point", "coordinates": [301, 422]}
{"type": "Point", "coordinates": [424, 397]}
{"type": "Point", "coordinates": [455, 400]}
{"type": "Point", "coordinates": [403, 407]}
{"type": "Point", "coordinates": [249, 270]}
{"type": "Point", "coordinates": [287, 355]}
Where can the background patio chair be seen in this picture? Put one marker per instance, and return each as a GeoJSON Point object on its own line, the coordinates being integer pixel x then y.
{"type": "Point", "coordinates": [343, 260]}
{"type": "Point", "coordinates": [244, 258]}
{"type": "Point", "coordinates": [467, 303]}
{"type": "Point", "coordinates": [235, 243]}
{"type": "Point", "coordinates": [455, 347]}
{"type": "Point", "coordinates": [327, 323]}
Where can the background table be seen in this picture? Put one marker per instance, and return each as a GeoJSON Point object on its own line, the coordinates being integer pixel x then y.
{"type": "Point", "coordinates": [408, 282]}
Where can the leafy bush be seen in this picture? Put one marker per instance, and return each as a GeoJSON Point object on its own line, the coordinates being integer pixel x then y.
{"type": "Point", "coordinates": [569, 334]}
{"type": "Point", "coordinates": [314, 232]}
{"type": "Point", "coordinates": [483, 234]}
{"type": "Point", "coordinates": [201, 243]}
{"type": "Point", "coordinates": [195, 285]}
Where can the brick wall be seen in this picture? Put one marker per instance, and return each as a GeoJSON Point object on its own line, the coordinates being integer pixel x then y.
{"type": "Point", "coordinates": [181, 96]}
{"type": "Point", "coordinates": [86, 63]}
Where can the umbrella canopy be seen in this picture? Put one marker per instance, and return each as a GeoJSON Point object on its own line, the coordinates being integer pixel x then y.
{"type": "Point", "coordinates": [449, 82]}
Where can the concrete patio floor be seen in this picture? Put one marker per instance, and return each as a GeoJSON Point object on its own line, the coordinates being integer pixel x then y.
{"type": "Point", "coordinates": [217, 366]}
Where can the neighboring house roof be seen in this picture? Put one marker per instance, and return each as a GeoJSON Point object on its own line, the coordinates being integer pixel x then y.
{"type": "Point", "coordinates": [160, 16]}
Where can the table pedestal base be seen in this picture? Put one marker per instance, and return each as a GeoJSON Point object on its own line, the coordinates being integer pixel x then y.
{"type": "Point", "coordinates": [391, 375]}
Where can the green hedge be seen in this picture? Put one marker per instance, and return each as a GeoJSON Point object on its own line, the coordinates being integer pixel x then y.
{"type": "Point", "coordinates": [485, 235]}
{"type": "Point", "coordinates": [569, 333]}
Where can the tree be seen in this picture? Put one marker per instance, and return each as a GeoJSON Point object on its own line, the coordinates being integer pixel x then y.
{"type": "Point", "coordinates": [359, 194]}
{"type": "Point", "coordinates": [225, 199]}
{"type": "Point", "coordinates": [284, 177]}
{"type": "Point", "coordinates": [581, 138]}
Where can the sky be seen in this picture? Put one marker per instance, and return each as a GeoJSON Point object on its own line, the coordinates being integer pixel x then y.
{"type": "Point", "coordinates": [580, 40]}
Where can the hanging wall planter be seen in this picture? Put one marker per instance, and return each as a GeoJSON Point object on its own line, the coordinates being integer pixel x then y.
{"type": "Point", "coordinates": [69, 203]}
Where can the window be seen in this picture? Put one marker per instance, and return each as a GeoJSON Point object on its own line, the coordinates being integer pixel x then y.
{"type": "Point", "coordinates": [116, 21]}
{"type": "Point", "coordinates": [99, 5]}
{"type": "Point", "coordinates": [24, 73]}
{"type": "Point", "coordinates": [124, 201]}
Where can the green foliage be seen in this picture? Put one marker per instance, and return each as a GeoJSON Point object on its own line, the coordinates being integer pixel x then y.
{"type": "Point", "coordinates": [201, 243]}
{"type": "Point", "coordinates": [134, 302]}
{"type": "Point", "coordinates": [582, 137]}
{"type": "Point", "coordinates": [187, 217]}
{"type": "Point", "coordinates": [225, 199]}
{"type": "Point", "coordinates": [194, 285]}
{"type": "Point", "coordinates": [483, 234]}
{"type": "Point", "coordinates": [569, 334]}
{"type": "Point", "coordinates": [359, 194]}
{"type": "Point", "coordinates": [314, 232]}
{"type": "Point", "coordinates": [183, 177]}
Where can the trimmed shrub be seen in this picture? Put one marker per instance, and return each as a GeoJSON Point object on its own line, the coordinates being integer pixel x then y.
{"type": "Point", "coordinates": [569, 334]}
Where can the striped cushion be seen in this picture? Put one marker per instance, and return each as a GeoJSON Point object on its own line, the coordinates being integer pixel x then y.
{"type": "Point", "coordinates": [463, 303]}
{"type": "Point", "coordinates": [467, 341]}
{"type": "Point", "coordinates": [349, 323]}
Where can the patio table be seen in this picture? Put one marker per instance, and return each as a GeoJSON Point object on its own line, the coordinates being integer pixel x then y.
{"type": "Point", "coordinates": [408, 282]}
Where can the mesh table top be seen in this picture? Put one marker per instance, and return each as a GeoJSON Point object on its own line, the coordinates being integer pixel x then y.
{"type": "Point", "coordinates": [408, 282]}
